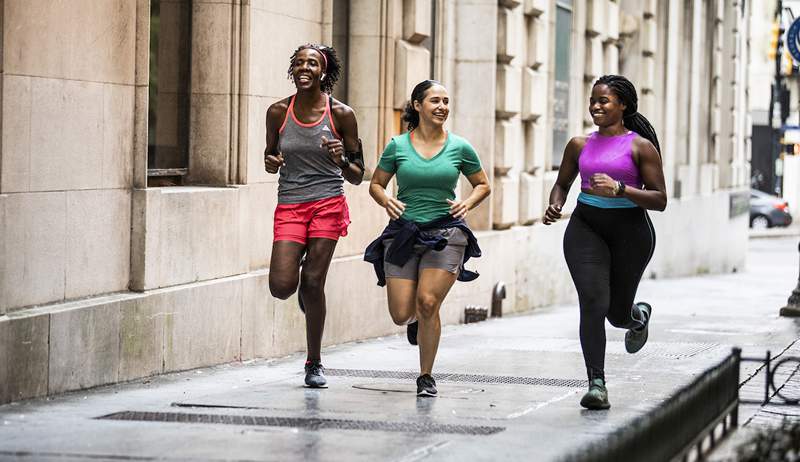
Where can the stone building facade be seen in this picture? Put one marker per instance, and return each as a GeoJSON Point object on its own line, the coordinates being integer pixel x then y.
{"type": "Point", "coordinates": [136, 217]}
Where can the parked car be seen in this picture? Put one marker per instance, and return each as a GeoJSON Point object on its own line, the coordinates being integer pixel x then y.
{"type": "Point", "coordinates": [767, 211]}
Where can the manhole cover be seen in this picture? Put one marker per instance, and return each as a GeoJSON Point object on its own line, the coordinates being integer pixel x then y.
{"type": "Point", "coordinates": [308, 423]}
{"type": "Point", "coordinates": [460, 378]}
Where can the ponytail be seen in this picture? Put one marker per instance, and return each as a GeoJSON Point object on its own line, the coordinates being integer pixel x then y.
{"type": "Point", "coordinates": [631, 118]}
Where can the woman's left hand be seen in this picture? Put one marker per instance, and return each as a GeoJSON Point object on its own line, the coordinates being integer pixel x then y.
{"type": "Point", "coordinates": [335, 148]}
{"type": "Point", "coordinates": [458, 209]}
{"type": "Point", "coordinates": [603, 185]}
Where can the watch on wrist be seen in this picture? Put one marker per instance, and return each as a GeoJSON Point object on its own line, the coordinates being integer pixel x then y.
{"type": "Point", "coordinates": [345, 162]}
{"type": "Point", "coordinates": [620, 188]}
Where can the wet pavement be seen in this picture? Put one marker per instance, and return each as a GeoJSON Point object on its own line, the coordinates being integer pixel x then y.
{"type": "Point", "coordinates": [509, 387]}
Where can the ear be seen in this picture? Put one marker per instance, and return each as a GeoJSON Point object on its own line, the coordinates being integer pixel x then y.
{"type": "Point", "coordinates": [417, 105]}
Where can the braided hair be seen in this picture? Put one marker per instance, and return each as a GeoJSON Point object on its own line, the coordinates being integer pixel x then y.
{"type": "Point", "coordinates": [410, 114]}
{"type": "Point", "coordinates": [331, 65]}
{"type": "Point", "coordinates": [631, 119]}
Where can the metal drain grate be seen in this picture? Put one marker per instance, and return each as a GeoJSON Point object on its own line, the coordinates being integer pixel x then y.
{"type": "Point", "coordinates": [308, 423]}
{"type": "Point", "coordinates": [460, 378]}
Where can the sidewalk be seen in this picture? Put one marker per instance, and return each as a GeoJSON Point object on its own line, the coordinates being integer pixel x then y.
{"type": "Point", "coordinates": [513, 390]}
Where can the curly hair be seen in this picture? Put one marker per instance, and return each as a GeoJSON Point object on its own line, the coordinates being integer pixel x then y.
{"type": "Point", "coordinates": [631, 119]}
{"type": "Point", "coordinates": [332, 65]}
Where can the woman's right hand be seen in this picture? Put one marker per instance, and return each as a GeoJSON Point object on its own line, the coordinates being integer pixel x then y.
{"type": "Point", "coordinates": [552, 214]}
{"type": "Point", "coordinates": [273, 163]}
{"type": "Point", "coordinates": [394, 208]}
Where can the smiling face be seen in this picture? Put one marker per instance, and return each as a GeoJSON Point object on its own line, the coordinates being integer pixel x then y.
{"type": "Point", "coordinates": [605, 106]}
{"type": "Point", "coordinates": [307, 69]}
{"type": "Point", "coordinates": [435, 106]}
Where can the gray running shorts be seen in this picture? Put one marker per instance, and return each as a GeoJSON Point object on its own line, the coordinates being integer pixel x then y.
{"type": "Point", "coordinates": [448, 259]}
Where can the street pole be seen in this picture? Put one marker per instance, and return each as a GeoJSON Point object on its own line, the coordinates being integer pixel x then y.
{"type": "Point", "coordinates": [792, 308]}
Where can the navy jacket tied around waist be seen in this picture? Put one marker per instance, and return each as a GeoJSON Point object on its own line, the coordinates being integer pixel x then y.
{"type": "Point", "coordinates": [408, 233]}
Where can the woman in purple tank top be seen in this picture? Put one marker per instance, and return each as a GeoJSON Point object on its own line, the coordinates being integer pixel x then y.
{"type": "Point", "coordinates": [312, 139]}
{"type": "Point", "coordinates": [609, 239]}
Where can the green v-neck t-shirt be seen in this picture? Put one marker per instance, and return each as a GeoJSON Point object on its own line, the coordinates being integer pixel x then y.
{"type": "Point", "coordinates": [424, 185]}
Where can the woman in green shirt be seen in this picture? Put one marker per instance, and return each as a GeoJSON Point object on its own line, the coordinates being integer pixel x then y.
{"type": "Point", "coordinates": [422, 251]}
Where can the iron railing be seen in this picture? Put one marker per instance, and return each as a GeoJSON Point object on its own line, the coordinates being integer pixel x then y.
{"type": "Point", "coordinates": [690, 420]}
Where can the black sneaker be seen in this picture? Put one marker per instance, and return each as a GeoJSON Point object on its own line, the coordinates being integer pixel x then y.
{"type": "Point", "coordinates": [597, 396]}
{"type": "Point", "coordinates": [315, 375]}
{"type": "Point", "coordinates": [411, 332]}
{"type": "Point", "coordinates": [636, 338]}
{"type": "Point", "coordinates": [426, 386]}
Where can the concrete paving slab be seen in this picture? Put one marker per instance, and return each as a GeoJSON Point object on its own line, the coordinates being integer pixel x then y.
{"type": "Point", "coordinates": [374, 415]}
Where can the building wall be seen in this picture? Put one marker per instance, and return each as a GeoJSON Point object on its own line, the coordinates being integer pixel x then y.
{"type": "Point", "coordinates": [103, 279]}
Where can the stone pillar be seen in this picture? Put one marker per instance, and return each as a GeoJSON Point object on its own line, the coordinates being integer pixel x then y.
{"type": "Point", "coordinates": [671, 110]}
{"type": "Point", "coordinates": [474, 93]}
{"type": "Point", "coordinates": [210, 99]}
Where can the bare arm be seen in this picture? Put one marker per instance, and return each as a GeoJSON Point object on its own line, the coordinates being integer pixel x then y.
{"type": "Point", "coordinates": [654, 194]}
{"type": "Point", "coordinates": [348, 129]}
{"type": "Point", "coordinates": [377, 189]}
{"type": "Point", "coordinates": [480, 191]}
{"type": "Point", "coordinates": [273, 159]}
{"type": "Point", "coordinates": [567, 173]}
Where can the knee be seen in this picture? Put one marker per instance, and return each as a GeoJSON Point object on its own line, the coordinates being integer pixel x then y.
{"type": "Point", "coordinates": [311, 283]}
{"type": "Point", "coordinates": [282, 288]}
{"type": "Point", "coordinates": [621, 318]}
{"type": "Point", "coordinates": [399, 319]}
{"type": "Point", "coordinates": [593, 305]}
{"type": "Point", "coordinates": [427, 305]}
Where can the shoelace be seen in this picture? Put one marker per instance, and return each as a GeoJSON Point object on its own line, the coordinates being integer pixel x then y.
{"type": "Point", "coordinates": [427, 381]}
{"type": "Point", "coordinates": [315, 369]}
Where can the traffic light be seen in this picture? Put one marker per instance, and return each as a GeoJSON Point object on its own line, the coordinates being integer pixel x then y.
{"type": "Point", "coordinates": [774, 41]}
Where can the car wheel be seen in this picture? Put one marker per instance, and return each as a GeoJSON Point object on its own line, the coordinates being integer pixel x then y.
{"type": "Point", "coordinates": [759, 222]}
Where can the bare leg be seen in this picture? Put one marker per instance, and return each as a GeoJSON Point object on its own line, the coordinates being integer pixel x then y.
{"type": "Point", "coordinates": [284, 268]}
{"type": "Point", "coordinates": [433, 286]}
{"type": "Point", "coordinates": [402, 299]}
{"type": "Point", "coordinates": [312, 290]}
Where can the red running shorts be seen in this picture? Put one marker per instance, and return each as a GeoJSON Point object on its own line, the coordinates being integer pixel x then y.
{"type": "Point", "coordinates": [325, 218]}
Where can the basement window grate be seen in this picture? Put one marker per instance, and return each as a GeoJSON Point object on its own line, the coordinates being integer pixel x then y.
{"type": "Point", "coordinates": [307, 423]}
{"type": "Point", "coordinates": [460, 378]}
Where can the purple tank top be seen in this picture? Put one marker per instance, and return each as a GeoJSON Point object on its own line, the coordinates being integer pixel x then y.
{"type": "Point", "coordinates": [610, 155]}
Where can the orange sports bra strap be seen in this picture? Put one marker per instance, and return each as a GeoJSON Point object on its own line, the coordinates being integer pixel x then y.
{"type": "Point", "coordinates": [289, 110]}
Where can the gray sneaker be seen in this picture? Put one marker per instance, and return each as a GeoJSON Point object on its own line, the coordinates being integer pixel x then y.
{"type": "Point", "coordinates": [426, 386]}
{"type": "Point", "coordinates": [597, 396]}
{"type": "Point", "coordinates": [636, 338]}
{"type": "Point", "coordinates": [315, 375]}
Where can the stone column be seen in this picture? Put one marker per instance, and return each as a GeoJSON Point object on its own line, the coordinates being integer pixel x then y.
{"type": "Point", "coordinates": [474, 93]}
{"type": "Point", "coordinates": [671, 112]}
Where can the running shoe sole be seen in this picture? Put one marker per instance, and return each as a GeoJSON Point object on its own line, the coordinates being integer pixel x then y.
{"type": "Point", "coordinates": [594, 404]}
{"type": "Point", "coordinates": [427, 394]}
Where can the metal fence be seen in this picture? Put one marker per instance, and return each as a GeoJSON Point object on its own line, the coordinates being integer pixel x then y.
{"type": "Point", "coordinates": [690, 420]}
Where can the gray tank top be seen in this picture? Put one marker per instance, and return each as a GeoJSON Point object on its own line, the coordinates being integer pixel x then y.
{"type": "Point", "coordinates": [309, 173]}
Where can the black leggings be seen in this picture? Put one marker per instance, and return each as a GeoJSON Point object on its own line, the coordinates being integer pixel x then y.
{"type": "Point", "coordinates": [607, 251]}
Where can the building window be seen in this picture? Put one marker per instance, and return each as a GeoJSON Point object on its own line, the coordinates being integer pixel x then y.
{"type": "Point", "coordinates": [170, 72]}
{"type": "Point", "coordinates": [563, 56]}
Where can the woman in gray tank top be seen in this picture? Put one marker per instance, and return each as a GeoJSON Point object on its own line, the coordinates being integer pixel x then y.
{"type": "Point", "coordinates": [312, 142]}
